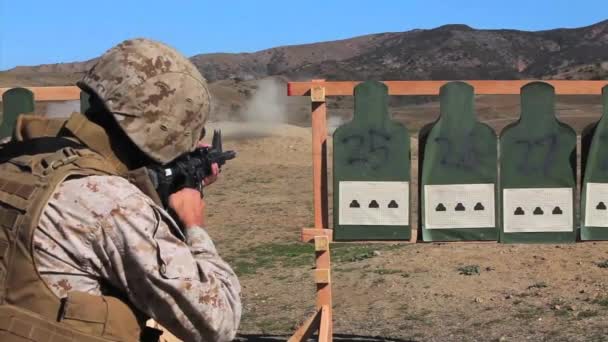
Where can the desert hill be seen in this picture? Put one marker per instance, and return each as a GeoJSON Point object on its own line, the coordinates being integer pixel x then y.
{"type": "Point", "coordinates": [246, 83]}
{"type": "Point", "coordinates": [446, 52]}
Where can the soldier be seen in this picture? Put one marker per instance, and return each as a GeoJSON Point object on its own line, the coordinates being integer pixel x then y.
{"type": "Point", "coordinates": [87, 252]}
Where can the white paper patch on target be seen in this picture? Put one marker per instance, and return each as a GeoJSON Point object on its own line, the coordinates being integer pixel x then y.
{"type": "Point", "coordinates": [537, 210]}
{"type": "Point", "coordinates": [596, 205]}
{"type": "Point", "coordinates": [374, 203]}
{"type": "Point", "coordinates": [459, 206]}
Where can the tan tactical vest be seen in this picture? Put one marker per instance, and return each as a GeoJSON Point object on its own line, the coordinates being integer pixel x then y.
{"type": "Point", "coordinates": [29, 310]}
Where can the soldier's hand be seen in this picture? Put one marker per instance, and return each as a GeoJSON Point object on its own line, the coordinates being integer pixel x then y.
{"type": "Point", "coordinates": [189, 207]}
{"type": "Point", "coordinates": [215, 169]}
{"type": "Point", "coordinates": [215, 173]}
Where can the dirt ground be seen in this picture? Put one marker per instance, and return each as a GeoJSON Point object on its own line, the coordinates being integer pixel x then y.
{"type": "Point", "coordinates": [395, 292]}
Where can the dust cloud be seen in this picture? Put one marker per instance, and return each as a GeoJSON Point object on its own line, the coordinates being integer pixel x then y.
{"type": "Point", "coordinates": [268, 104]}
{"type": "Point", "coordinates": [262, 115]}
{"type": "Point", "coordinates": [267, 113]}
{"type": "Point", "coordinates": [333, 122]}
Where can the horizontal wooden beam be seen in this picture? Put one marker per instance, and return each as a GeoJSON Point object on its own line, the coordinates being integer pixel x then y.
{"type": "Point", "coordinates": [67, 93]}
{"type": "Point", "coordinates": [562, 87]}
{"type": "Point", "coordinates": [308, 234]}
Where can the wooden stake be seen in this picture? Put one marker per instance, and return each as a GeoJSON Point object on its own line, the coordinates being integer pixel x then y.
{"type": "Point", "coordinates": [308, 328]}
{"type": "Point", "coordinates": [325, 329]}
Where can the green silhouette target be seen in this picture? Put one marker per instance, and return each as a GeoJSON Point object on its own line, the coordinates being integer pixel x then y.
{"type": "Point", "coordinates": [538, 172]}
{"type": "Point", "coordinates": [84, 102]}
{"type": "Point", "coordinates": [14, 102]}
{"type": "Point", "coordinates": [594, 196]}
{"type": "Point", "coordinates": [458, 171]}
{"type": "Point", "coordinates": [371, 171]}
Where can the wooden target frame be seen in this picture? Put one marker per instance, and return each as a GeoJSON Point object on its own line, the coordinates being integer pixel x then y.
{"type": "Point", "coordinates": [317, 90]}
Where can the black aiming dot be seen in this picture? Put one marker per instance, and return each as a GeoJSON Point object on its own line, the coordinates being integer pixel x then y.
{"type": "Point", "coordinates": [460, 207]}
{"type": "Point", "coordinates": [601, 206]}
{"type": "Point", "coordinates": [479, 206]}
{"type": "Point", "coordinates": [374, 204]}
{"type": "Point", "coordinates": [538, 211]}
{"type": "Point", "coordinates": [557, 211]}
{"type": "Point", "coordinates": [440, 207]}
{"type": "Point", "coordinates": [355, 204]}
{"type": "Point", "coordinates": [519, 211]}
{"type": "Point", "coordinates": [393, 204]}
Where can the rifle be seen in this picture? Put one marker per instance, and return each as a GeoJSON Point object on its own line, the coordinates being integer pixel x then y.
{"type": "Point", "coordinates": [189, 169]}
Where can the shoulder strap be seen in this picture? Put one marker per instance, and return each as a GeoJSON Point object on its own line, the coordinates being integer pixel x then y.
{"type": "Point", "coordinates": [35, 146]}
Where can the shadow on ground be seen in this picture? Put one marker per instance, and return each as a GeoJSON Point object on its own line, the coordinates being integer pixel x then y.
{"type": "Point", "coordinates": [336, 337]}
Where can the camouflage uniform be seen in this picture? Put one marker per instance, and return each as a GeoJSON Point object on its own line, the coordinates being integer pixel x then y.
{"type": "Point", "coordinates": [104, 235]}
{"type": "Point", "coordinates": [101, 231]}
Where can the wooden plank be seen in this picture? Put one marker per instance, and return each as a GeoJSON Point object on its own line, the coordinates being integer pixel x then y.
{"type": "Point", "coordinates": [307, 329]}
{"type": "Point", "coordinates": [324, 296]}
{"type": "Point", "coordinates": [319, 162]}
{"type": "Point", "coordinates": [321, 243]}
{"type": "Point", "coordinates": [317, 94]}
{"type": "Point", "coordinates": [309, 234]}
{"type": "Point", "coordinates": [414, 195]}
{"type": "Point", "coordinates": [325, 328]}
{"type": "Point", "coordinates": [510, 87]}
{"type": "Point", "coordinates": [322, 276]}
{"type": "Point", "coordinates": [67, 93]}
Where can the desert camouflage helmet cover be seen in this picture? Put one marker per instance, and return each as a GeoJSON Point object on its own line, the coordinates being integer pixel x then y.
{"type": "Point", "coordinates": [157, 96]}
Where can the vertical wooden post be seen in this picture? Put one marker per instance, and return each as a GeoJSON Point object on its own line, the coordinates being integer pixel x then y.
{"type": "Point", "coordinates": [322, 272]}
{"type": "Point", "coordinates": [323, 281]}
{"type": "Point", "coordinates": [319, 155]}
{"type": "Point", "coordinates": [325, 326]}
{"type": "Point", "coordinates": [321, 321]}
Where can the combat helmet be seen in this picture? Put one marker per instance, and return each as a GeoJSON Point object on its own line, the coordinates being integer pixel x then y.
{"type": "Point", "coordinates": [157, 96]}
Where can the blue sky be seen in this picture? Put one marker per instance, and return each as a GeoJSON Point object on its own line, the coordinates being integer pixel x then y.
{"type": "Point", "coordinates": [52, 31]}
